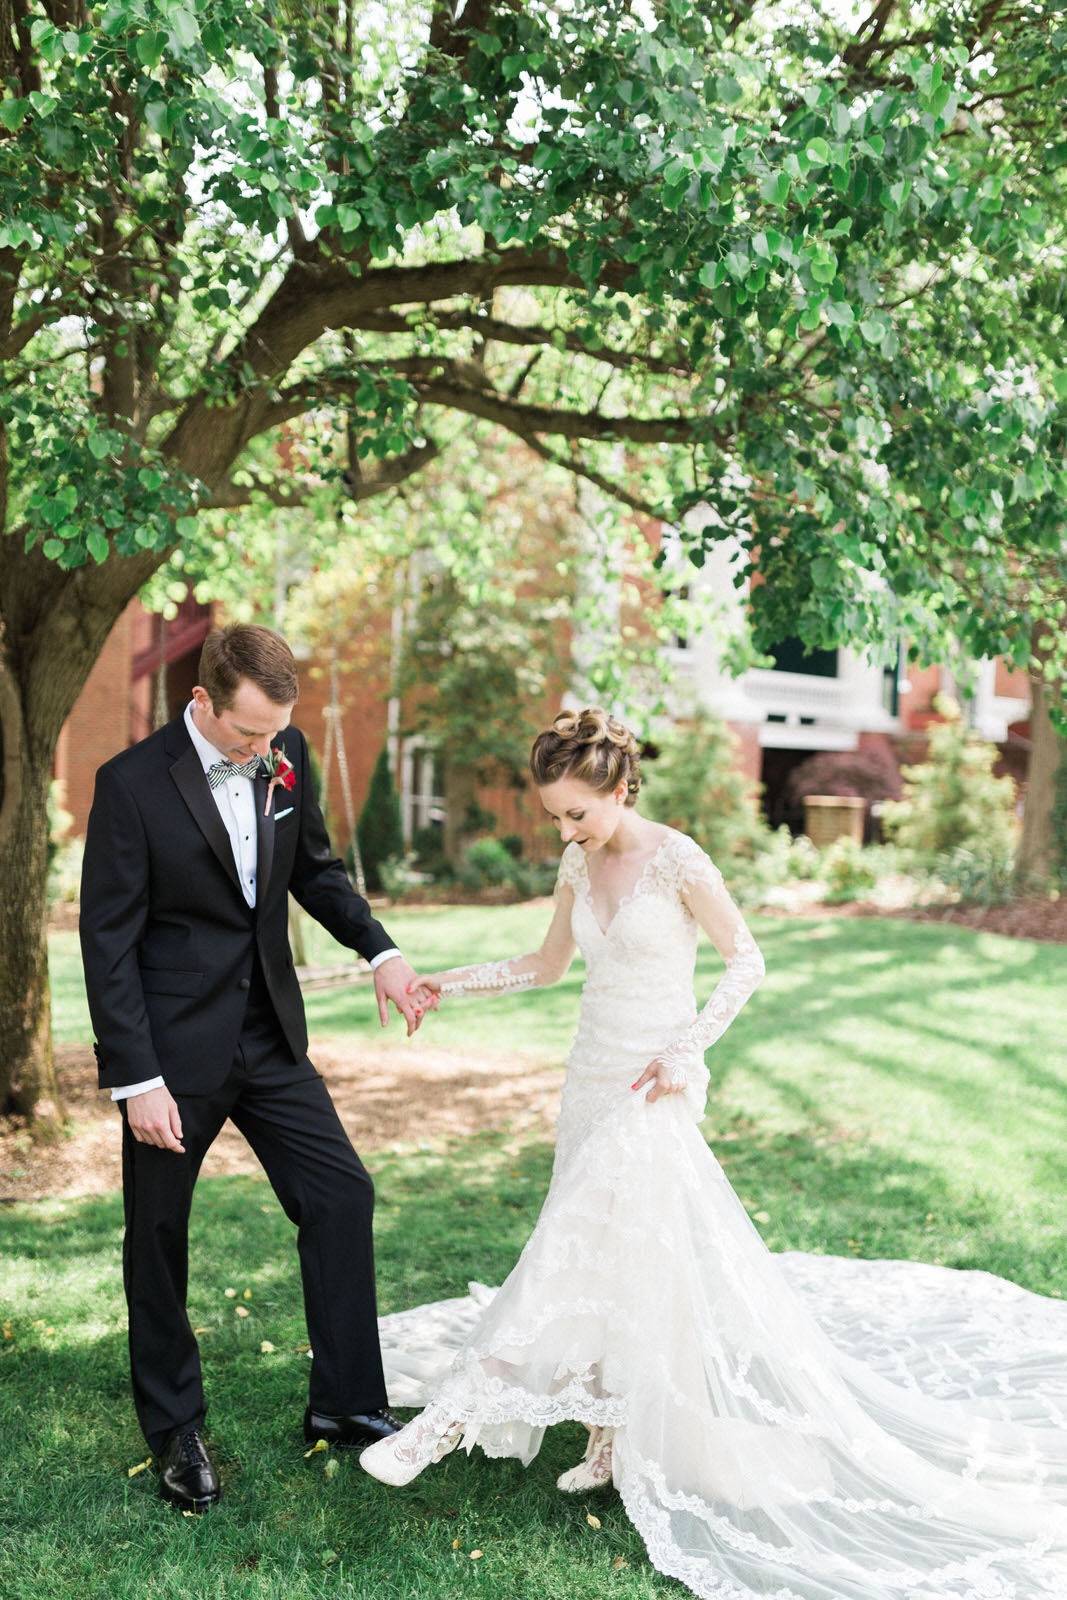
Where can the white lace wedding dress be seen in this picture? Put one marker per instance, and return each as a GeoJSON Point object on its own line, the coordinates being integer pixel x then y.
{"type": "Point", "coordinates": [791, 1427]}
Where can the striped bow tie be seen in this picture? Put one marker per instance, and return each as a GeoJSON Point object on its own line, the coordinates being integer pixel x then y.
{"type": "Point", "coordinates": [222, 770]}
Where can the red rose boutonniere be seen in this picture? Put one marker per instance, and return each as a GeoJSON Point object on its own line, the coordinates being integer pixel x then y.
{"type": "Point", "coordinates": [280, 771]}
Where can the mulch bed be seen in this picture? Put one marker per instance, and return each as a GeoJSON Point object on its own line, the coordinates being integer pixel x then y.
{"type": "Point", "coordinates": [1026, 918]}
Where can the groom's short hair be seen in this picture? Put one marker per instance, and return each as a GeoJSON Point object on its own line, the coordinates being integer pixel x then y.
{"type": "Point", "coordinates": [247, 651]}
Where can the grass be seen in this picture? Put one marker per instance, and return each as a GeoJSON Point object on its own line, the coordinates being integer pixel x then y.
{"type": "Point", "coordinates": [896, 1089]}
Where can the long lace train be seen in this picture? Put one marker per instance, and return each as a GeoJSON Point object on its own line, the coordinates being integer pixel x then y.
{"type": "Point", "coordinates": [789, 1428]}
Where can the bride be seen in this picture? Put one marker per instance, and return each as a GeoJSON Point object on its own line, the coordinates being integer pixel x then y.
{"type": "Point", "coordinates": [793, 1427]}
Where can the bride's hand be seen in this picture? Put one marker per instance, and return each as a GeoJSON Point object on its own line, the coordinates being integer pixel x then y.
{"type": "Point", "coordinates": [664, 1080]}
{"type": "Point", "coordinates": [425, 991]}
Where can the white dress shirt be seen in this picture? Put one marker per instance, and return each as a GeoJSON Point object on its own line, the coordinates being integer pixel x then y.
{"type": "Point", "coordinates": [235, 799]}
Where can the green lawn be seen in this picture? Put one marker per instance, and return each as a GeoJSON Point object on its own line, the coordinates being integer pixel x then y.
{"type": "Point", "coordinates": [894, 1089]}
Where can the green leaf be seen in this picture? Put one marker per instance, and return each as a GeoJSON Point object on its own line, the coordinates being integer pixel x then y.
{"type": "Point", "coordinates": [817, 152]}
{"type": "Point", "coordinates": [1059, 383]}
{"type": "Point", "coordinates": [99, 445]}
{"type": "Point", "coordinates": [98, 546]}
{"type": "Point", "coordinates": [13, 113]}
{"type": "Point", "coordinates": [149, 47]}
{"type": "Point", "coordinates": [728, 90]}
{"type": "Point", "coordinates": [874, 332]}
{"type": "Point", "coordinates": [184, 26]}
{"type": "Point", "coordinates": [774, 188]}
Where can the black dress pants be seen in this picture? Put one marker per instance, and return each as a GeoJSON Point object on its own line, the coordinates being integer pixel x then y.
{"type": "Point", "coordinates": [284, 1111]}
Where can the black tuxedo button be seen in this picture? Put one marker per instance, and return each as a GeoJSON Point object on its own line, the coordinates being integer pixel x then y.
{"type": "Point", "coordinates": [245, 983]}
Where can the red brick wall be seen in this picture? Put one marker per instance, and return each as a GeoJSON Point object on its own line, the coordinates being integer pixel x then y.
{"type": "Point", "coordinates": [99, 726]}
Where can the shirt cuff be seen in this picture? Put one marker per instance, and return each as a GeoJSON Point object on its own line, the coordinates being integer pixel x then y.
{"type": "Point", "coordinates": [124, 1091]}
{"type": "Point", "coordinates": [383, 955]}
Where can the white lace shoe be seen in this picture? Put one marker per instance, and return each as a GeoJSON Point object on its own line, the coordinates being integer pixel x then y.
{"type": "Point", "coordinates": [424, 1440]}
{"type": "Point", "coordinates": [594, 1472]}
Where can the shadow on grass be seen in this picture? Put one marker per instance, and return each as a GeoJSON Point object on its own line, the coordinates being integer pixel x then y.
{"type": "Point", "coordinates": [79, 1528]}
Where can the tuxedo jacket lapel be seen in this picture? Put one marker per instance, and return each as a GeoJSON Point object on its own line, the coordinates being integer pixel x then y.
{"type": "Point", "coordinates": [264, 836]}
{"type": "Point", "coordinates": [192, 785]}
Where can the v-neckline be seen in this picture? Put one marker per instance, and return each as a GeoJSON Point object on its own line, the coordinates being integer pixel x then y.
{"type": "Point", "coordinates": [631, 895]}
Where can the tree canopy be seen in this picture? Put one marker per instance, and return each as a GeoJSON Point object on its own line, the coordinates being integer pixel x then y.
{"type": "Point", "coordinates": [800, 269]}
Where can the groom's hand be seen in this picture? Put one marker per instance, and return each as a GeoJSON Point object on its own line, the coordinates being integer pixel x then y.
{"type": "Point", "coordinates": [153, 1118]}
{"type": "Point", "coordinates": [392, 979]}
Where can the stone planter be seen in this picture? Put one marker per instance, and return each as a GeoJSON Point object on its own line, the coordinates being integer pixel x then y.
{"type": "Point", "coordinates": [834, 816]}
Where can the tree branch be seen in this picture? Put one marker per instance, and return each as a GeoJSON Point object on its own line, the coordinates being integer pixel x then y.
{"type": "Point", "coordinates": [364, 486]}
{"type": "Point", "coordinates": [500, 332]}
{"type": "Point", "coordinates": [580, 470]}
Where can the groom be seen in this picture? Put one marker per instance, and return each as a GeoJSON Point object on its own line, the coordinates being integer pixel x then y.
{"type": "Point", "coordinates": [195, 840]}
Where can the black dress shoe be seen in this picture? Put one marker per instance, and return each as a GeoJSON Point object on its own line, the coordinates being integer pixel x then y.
{"type": "Point", "coordinates": [187, 1474]}
{"type": "Point", "coordinates": [350, 1433]}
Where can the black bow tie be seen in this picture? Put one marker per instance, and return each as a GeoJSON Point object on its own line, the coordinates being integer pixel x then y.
{"type": "Point", "coordinates": [222, 770]}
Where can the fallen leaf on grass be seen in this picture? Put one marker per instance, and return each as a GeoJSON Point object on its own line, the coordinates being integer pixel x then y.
{"type": "Point", "coordinates": [476, 1555]}
{"type": "Point", "coordinates": [266, 1348]}
{"type": "Point", "coordinates": [456, 1544]}
{"type": "Point", "coordinates": [594, 1522]}
{"type": "Point", "coordinates": [242, 1311]}
{"type": "Point", "coordinates": [231, 1294]}
{"type": "Point", "coordinates": [201, 1330]}
{"type": "Point", "coordinates": [248, 1294]}
{"type": "Point", "coordinates": [320, 1444]}
{"type": "Point", "coordinates": [618, 1564]}
{"type": "Point", "coordinates": [761, 1216]}
{"type": "Point", "coordinates": [131, 1472]}
{"type": "Point", "coordinates": [332, 1467]}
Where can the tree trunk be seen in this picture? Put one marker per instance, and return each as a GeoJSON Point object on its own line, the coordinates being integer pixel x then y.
{"type": "Point", "coordinates": [1047, 750]}
{"type": "Point", "coordinates": [28, 1084]}
{"type": "Point", "coordinates": [461, 792]}
{"type": "Point", "coordinates": [53, 625]}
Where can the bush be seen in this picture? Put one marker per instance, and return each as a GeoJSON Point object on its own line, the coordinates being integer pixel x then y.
{"type": "Point", "coordinates": [379, 829]}
{"type": "Point", "coordinates": [847, 872]}
{"type": "Point", "coordinates": [873, 773]}
{"type": "Point", "coordinates": [695, 786]}
{"type": "Point", "coordinates": [953, 801]}
{"type": "Point", "coordinates": [428, 850]}
{"type": "Point", "coordinates": [977, 877]}
{"type": "Point", "coordinates": [486, 864]}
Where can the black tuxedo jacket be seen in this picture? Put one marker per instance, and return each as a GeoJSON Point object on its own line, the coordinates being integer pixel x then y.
{"type": "Point", "coordinates": [168, 940]}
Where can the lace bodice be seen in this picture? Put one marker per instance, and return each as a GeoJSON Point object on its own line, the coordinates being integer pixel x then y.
{"type": "Point", "coordinates": [637, 1001]}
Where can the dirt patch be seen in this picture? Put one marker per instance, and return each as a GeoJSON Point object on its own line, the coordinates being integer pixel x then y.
{"type": "Point", "coordinates": [387, 1097]}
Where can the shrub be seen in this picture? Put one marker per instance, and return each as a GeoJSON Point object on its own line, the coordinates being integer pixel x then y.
{"type": "Point", "coordinates": [873, 773]}
{"type": "Point", "coordinates": [379, 829]}
{"type": "Point", "coordinates": [953, 801]}
{"type": "Point", "coordinates": [977, 877]}
{"type": "Point", "coordinates": [428, 850]}
{"type": "Point", "coordinates": [486, 864]}
{"type": "Point", "coordinates": [695, 785]}
{"type": "Point", "coordinates": [847, 872]}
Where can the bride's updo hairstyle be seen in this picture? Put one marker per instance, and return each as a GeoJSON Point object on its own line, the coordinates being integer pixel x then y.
{"type": "Point", "coordinates": [591, 747]}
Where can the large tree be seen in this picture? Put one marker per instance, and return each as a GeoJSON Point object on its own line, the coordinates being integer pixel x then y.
{"type": "Point", "coordinates": [805, 274]}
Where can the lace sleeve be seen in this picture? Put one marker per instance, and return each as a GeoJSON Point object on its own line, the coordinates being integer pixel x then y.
{"type": "Point", "coordinates": [702, 889]}
{"type": "Point", "coordinates": [540, 967]}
